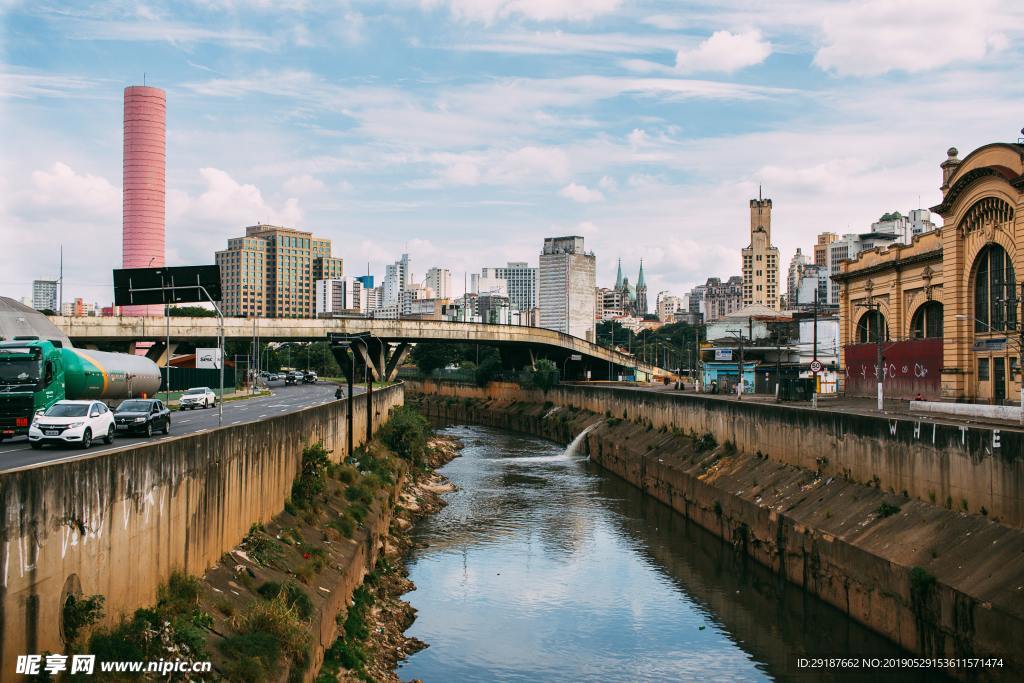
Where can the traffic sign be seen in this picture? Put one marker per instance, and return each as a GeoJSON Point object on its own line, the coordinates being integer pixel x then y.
{"type": "Point", "coordinates": [816, 366]}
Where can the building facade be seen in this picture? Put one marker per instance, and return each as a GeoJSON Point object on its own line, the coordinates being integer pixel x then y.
{"type": "Point", "coordinates": [719, 299]}
{"type": "Point", "coordinates": [439, 280]}
{"type": "Point", "coordinates": [667, 305]}
{"type": "Point", "coordinates": [760, 258]}
{"type": "Point", "coordinates": [821, 248]}
{"type": "Point", "coordinates": [271, 271]}
{"type": "Point", "coordinates": [567, 281]}
{"type": "Point", "coordinates": [44, 295]}
{"type": "Point", "coordinates": [521, 283]}
{"type": "Point", "coordinates": [397, 276]}
{"type": "Point", "coordinates": [796, 267]}
{"type": "Point", "coordinates": [952, 295]}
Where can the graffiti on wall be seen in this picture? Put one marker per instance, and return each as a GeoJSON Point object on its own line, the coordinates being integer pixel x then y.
{"type": "Point", "coordinates": [909, 369]}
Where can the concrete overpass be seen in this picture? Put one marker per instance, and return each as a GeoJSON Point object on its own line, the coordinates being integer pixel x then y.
{"type": "Point", "coordinates": [397, 335]}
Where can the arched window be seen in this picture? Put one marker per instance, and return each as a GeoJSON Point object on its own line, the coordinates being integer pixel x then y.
{"type": "Point", "coordinates": [871, 327]}
{"type": "Point", "coordinates": [927, 321]}
{"type": "Point", "coordinates": [995, 297]}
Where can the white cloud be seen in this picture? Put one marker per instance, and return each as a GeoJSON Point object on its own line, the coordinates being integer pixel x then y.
{"type": "Point", "coordinates": [607, 183]}
{"type": "Point", "coordinates": [61, 188]}
{"type": "Point", "coordinates": [878, 36]}
{"type": "Point", "coordinates": [581, 193]}
{"type": "Point", "coordinates": [228, 204]}
{"type": "Point", "coordinates": [489, 11]}
{"type": "Point", "coordinates": [725, 51]}
{"type": "Point", "coordinates": [303, 184]}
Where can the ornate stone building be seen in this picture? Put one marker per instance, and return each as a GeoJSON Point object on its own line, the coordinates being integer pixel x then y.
{"type": "Point", "coordinates": [760, 258]}
{"type": "Point", "coordinates": [956, 286]}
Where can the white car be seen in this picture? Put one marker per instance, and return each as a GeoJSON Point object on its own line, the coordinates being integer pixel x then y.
{"type": "Point", "coordinates": [197, 397]}
{"type": "Point", "coordinates": [72, 422]}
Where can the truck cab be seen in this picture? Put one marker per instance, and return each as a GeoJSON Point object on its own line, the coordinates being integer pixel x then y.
{"type": "Point", "coordinates": [31, 380]}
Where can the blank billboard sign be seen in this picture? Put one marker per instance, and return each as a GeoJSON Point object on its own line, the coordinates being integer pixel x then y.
{"type": "Point", "coordinates": [166, 285]}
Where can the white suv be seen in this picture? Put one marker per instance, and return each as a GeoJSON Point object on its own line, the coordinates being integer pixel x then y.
{"type": "Point", "coordinates": [197, 397]}
{"type": "Point", "coordinates": [72, 422]}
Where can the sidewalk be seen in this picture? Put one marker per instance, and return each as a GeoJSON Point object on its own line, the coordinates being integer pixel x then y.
{"type": "Point", "coordinates": [894, 408]}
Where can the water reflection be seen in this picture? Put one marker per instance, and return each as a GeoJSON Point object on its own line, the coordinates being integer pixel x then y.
{"type": "Point", "coordinates": [543, 567]}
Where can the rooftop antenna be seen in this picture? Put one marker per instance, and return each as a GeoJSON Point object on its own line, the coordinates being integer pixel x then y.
{"type": "Point", "coordinates": [143, 78]}
{"type": "Point", "coordinates": [758, 192]}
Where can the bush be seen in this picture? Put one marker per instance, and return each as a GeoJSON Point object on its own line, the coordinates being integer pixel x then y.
{"type": "Point", "coordinates": [887, 510]}
{"type": "Point", "coordinates": [488, 369]}
{"type": "Point", "coordinates": [293, 594]}
{"type": "Point", "coordinates": [406, 433]}
{"type": "Point", "coordinates": [706, 442]}
{"type": "Point", "coordinates": [78, 613]}
{"type": "Point", "coordinates": [312, 478]}
{"type": "Point", "coordinates": [545, 376]}
{"type": "Point", "coordinates": [279, 620]}
{"type": "Point", "coordinates": [251, 658]}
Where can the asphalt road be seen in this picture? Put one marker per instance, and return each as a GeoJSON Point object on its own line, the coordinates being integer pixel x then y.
{"type": "Point", "coordinates": [17, 452]}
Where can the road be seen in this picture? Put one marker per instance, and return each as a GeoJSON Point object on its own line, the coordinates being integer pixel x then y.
{"type": "Point", "coordinates": [17, 453]}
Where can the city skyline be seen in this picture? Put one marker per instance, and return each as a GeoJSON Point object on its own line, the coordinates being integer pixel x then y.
{"type": "Point", "coordinates": [592, 118]}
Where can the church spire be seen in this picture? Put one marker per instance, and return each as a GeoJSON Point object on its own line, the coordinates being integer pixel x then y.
{"type": "Point", "coordinates": [640, 279]}
{"type": "Point", "coordinates": [618, 276]}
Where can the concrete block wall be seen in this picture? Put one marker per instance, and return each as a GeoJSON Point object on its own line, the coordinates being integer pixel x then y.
{"type": "Point", "coordinates": [939, 463]}
{"type": "Point", "coordinates": [119, 523]}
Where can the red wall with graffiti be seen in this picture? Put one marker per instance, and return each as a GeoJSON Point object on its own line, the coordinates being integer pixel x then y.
{"type": "Point", "coordinates": [911, 367]}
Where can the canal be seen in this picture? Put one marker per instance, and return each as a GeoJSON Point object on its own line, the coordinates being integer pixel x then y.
{"type": "Point", "coordinates": [543, 567]}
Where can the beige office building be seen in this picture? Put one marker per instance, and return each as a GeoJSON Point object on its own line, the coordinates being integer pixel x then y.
{"type": "Point", "coordinates": [271, 271]}
{"type": "Point", "coordinates": [760, 258]}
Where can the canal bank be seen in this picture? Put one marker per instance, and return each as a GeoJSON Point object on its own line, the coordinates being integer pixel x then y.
{"type": "Point", "coordinates": [937, 582]}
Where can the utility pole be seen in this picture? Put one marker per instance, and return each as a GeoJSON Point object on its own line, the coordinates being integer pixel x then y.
{"type": "Point", "coordinates": [1020, 342]}
{"type": "Point", "coordinates": [815, 352]}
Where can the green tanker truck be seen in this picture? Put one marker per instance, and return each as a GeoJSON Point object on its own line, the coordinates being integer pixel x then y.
{"type": "Point", "coordinates": [36, 373]}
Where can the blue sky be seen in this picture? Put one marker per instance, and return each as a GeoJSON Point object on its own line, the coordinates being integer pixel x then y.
{"type": "Point", "coordinates": [467, 131]}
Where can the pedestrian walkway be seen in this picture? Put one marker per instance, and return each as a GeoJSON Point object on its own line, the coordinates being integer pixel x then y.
{"type": "Point", "coordinates": [856, 405]}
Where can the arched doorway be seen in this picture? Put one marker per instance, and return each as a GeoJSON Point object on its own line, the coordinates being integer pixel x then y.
{"type": "Point", "coordinates": [995, 317]}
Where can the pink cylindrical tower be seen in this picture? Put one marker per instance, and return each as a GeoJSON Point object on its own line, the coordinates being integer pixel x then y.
{"type": "Point", "coordinates": [145, 182]}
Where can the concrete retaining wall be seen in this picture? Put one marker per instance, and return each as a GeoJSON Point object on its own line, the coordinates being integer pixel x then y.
{"type": "Point", "coordinates": [937, 582]}
{"type": "Point", "coordinates": [972, 469]}
{"type": "Point", "coordinates": [976, 410]}
{"type": "Point", "coordinates": [118, 523]}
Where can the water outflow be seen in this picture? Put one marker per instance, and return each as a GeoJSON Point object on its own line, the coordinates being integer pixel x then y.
{"type": "Point", "coordinates": [574, 446]}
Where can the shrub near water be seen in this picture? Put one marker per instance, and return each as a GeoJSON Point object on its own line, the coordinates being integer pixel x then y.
{"type": "Point", "coordinates": [406, 433]}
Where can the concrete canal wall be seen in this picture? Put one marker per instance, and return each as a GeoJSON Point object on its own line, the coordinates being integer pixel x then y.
{"type": "Point", "coordinates": [940, 582]}
{"type": "Point", "coordinates": [969, 468]}
{"type": "Point", "coordinates": [119, 523]}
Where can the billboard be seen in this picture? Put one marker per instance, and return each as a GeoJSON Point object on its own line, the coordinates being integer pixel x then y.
{"type": "Point", "coordinates": [723, 354]}
{"type": "Point", "coordinates": [208, 358]}
{"type": "Point", "coordinates": [909, 368]}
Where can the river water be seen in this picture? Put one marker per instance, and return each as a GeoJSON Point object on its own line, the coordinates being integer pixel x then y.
{"type": "Point", "coordinates": [543, 567]}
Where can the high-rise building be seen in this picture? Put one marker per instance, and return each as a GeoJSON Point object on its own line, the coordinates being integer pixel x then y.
{"type": "Point", "coordinates": [796, 266]}
{"type": "Point", "coordinates": [521, 283]}
{"type": "Point", "coordinates": [760, 258]}
{"type": "Point", "coordinates": [917, 222]}
{"type": "Point", "coordinates": [567, 280]}
{"type": "Point", "coordinates": [821, 248]}
{"type": "Point", "coordinates": [439, 280]}
{"type": "Point", "coordinates": [339, 295]}
{"type": "Point", "coordinates": [845, 248]}
{"type": "Point", "coordinates": [44, 295]}
{"type": "Point", "coordinates": [271, 271]}
{"type": "Point", "coordinates": [144, 182]}
{"type": "Point", "coordinates": [397, 276]}
{"type": "Point", "coordinates": [488, 283]}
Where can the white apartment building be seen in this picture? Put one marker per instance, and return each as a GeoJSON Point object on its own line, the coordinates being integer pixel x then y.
{"type": "Point", "coordinates": [439, 280]}
{"type": "Point", "coordinates": [667, 305]}
{"type": "Point", "coordinates": [567, 282]}
{"type": "Point", "coordinates": [339, 295]}
{"type": "Point", "coordinates": [397, 277]}
{"type": "Point", "coordinates": [487, 282]}
{"type": "Point", "coordinates": [44, 295]}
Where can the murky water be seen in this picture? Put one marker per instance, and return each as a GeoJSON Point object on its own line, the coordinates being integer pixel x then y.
{"type": "Point", "coordinates": [545, 568]}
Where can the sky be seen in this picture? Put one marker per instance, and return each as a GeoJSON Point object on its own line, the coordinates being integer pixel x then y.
{"type": "Point", "coordinates": [466, 131]}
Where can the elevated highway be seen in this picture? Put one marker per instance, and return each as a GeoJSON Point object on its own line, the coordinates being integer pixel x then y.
{"type": "Point", "coordinates": [396, 334]}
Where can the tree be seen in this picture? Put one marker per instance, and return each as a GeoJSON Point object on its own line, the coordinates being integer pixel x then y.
{"type": "Point", "coordinates": [431, 356]}
{"type": "Point", "coordinates": [545, 376]}
{"type": "Point", "coordinates": [488, 369]}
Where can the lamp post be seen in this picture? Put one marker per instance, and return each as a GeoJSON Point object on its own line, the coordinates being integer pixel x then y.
{"type": "Point", "coordinates": [879, 369]}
